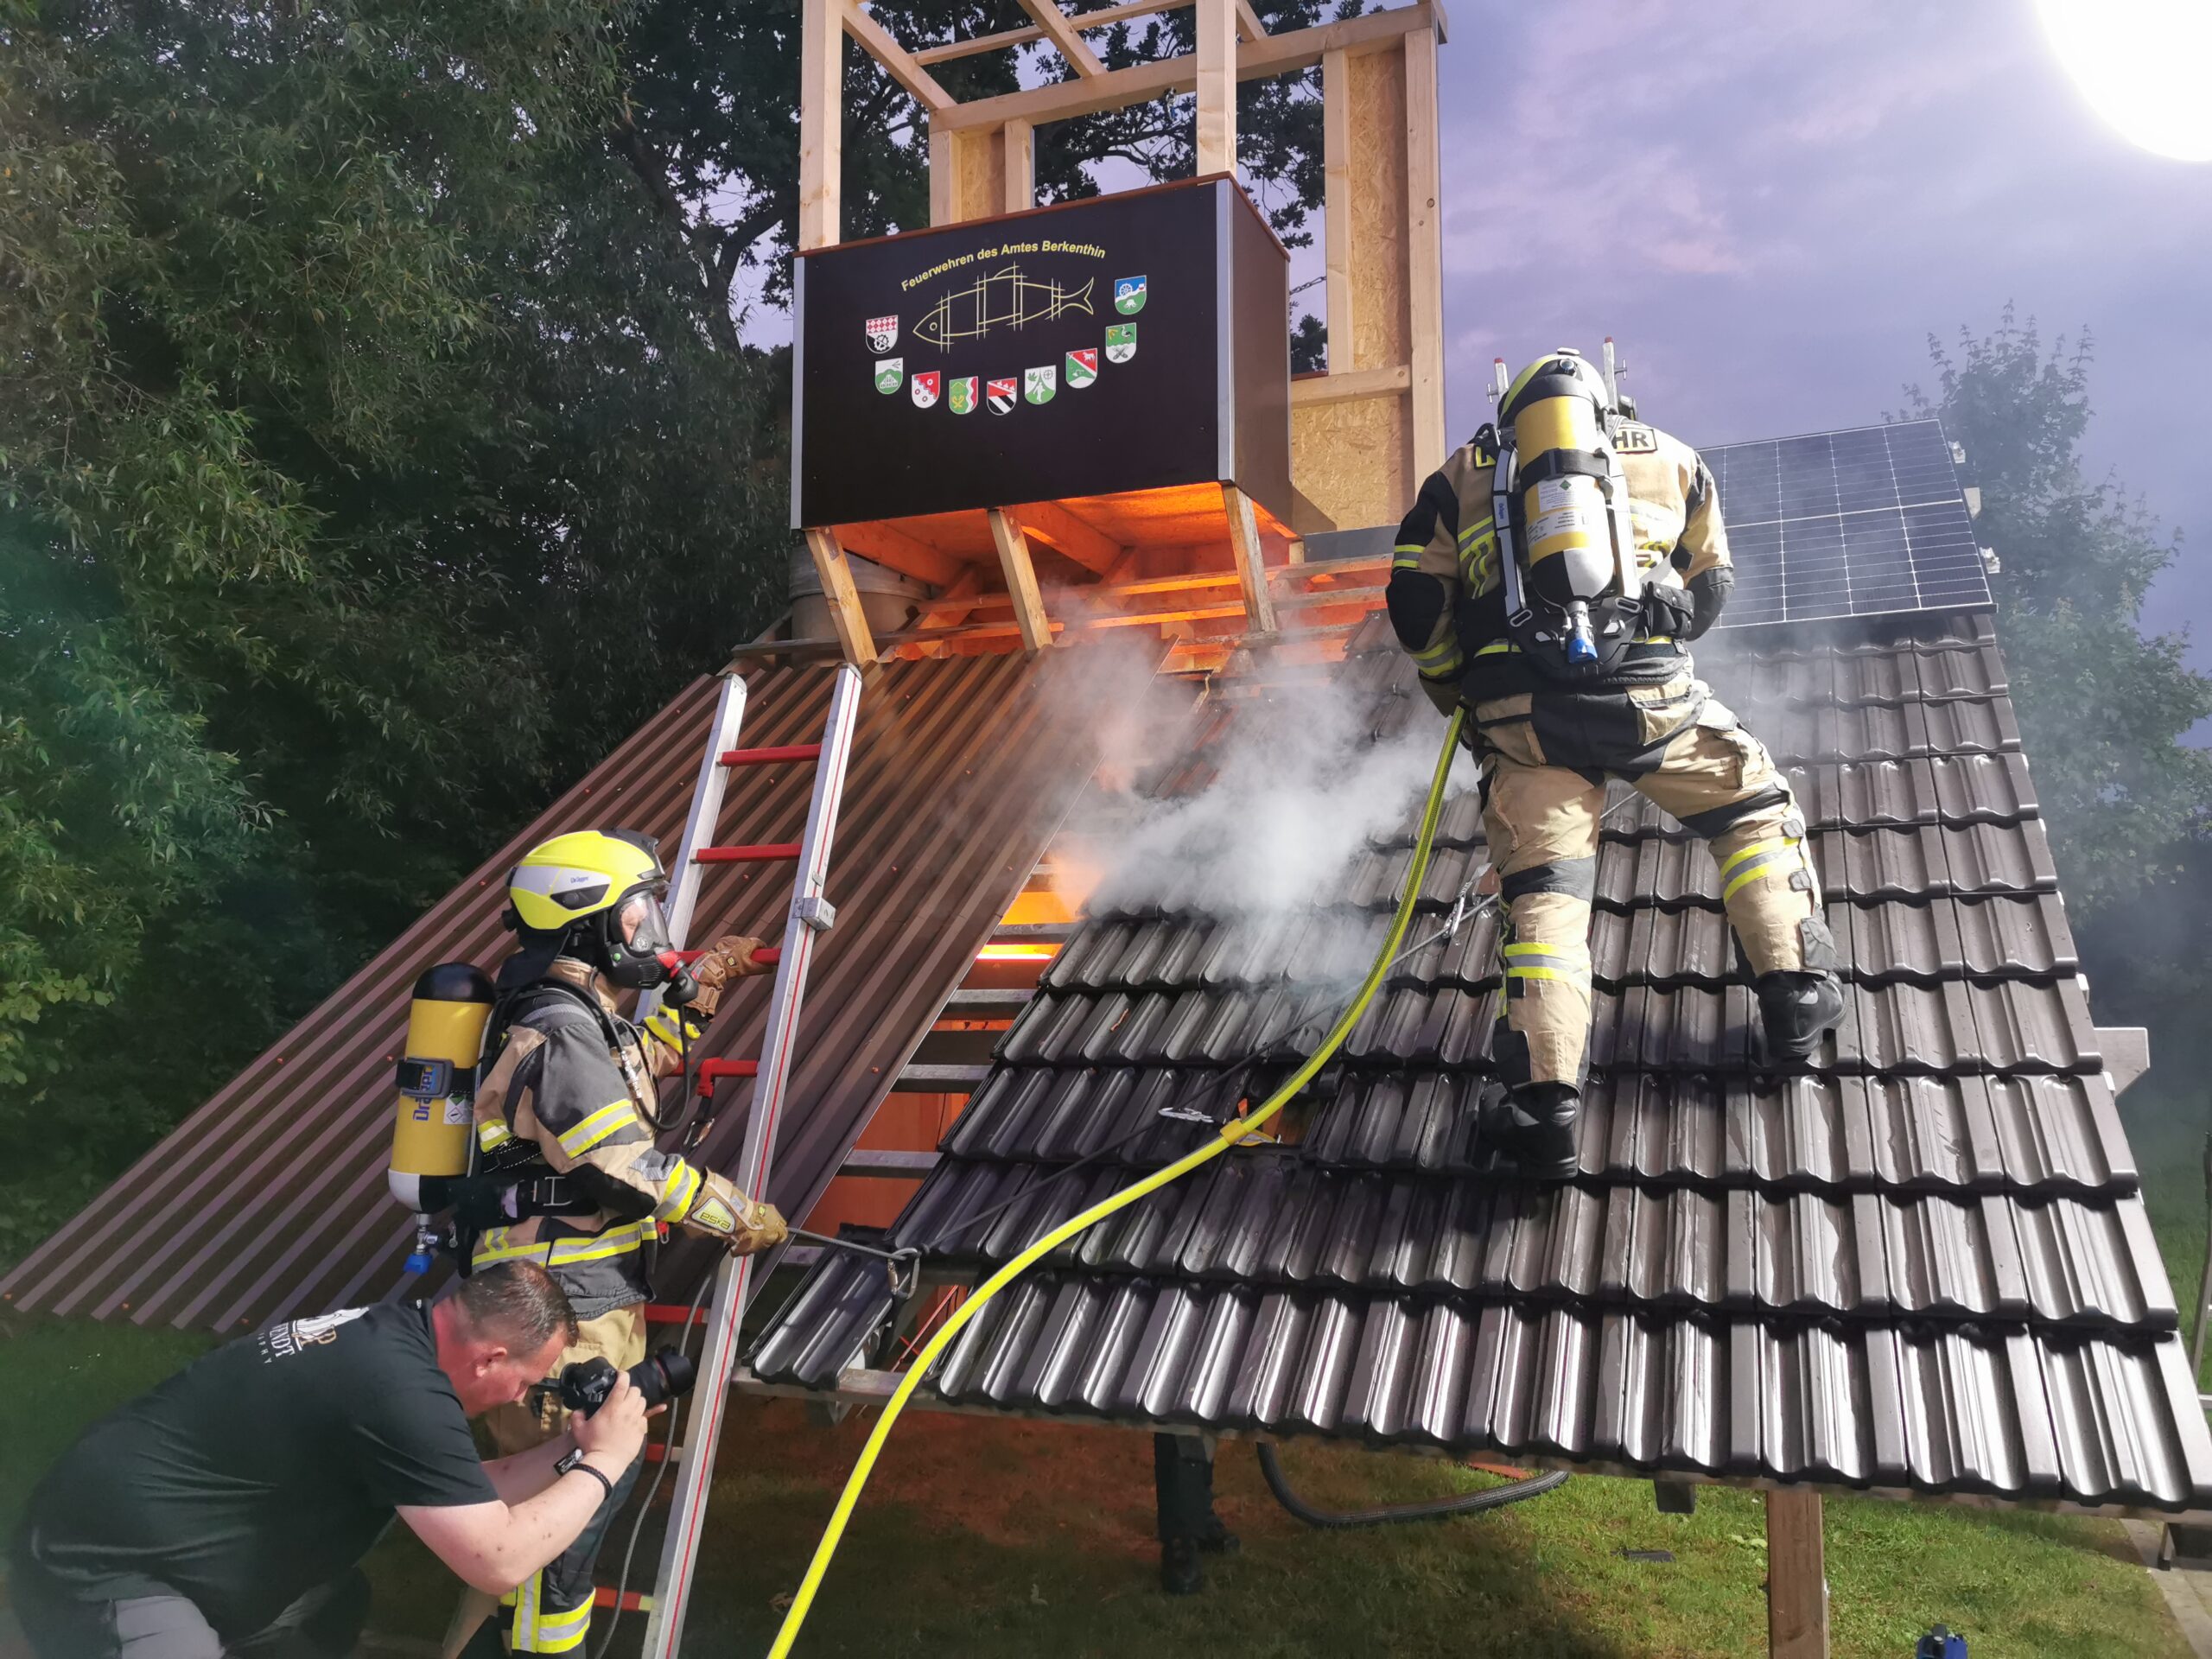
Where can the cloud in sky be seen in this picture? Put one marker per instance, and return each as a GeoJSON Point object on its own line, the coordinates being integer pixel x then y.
{"type": "Point", "coordinates": [1772, 208]}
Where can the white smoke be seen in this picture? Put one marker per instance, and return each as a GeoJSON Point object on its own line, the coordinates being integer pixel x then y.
{"type": "Point", "coordinates": [1299, 792]}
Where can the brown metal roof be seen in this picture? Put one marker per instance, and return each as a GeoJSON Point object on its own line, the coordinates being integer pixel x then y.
{"type": "Point", "coordinates": [270, 1200]}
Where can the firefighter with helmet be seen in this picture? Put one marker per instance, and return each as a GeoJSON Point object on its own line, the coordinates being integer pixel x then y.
{"type": "Point", "coordinates": [565, 1118]}
{"type": "Point", "coordinates": [1575, 671]}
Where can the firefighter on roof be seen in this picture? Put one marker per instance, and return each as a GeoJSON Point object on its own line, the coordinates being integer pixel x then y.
{"type": "Point", "coordinates": [566, 1115]}
{"type": "Point", "coordinates": [1551, 576]}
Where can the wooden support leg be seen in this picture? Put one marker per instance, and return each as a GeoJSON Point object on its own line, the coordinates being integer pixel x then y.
{"type": "Point", "coordinates": [1796, 1577]}
{"type": "Point", "coordinates": [845, 616]}
{"type": "Point", "coordinates": [1251, 568]}
{"type": "Point", "coordinates": [1020, 581]}
{"type": "Point", "coordinates": [1216, 21]}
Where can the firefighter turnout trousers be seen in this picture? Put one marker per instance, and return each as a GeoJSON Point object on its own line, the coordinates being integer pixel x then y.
{"type": "Point", "coordinates": [551, 1611]}
{"type": "Point", "coordinates": [1545, 760]}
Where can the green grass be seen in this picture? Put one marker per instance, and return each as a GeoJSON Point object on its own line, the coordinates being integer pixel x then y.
{"type": "Point", "coordinates": [1008, 1540]}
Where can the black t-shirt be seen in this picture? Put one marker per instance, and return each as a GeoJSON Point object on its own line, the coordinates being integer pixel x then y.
{"type": "Point", "coordinates": [261, 1470]}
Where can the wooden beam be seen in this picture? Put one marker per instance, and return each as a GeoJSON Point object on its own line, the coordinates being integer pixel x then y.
{"type": "Point", "coordinates": [944, 160]}
{"type": "Point", "coordinates": [1021, 582]}
{"type": "Point", "coordinates": [1103, 17]}
{"type": "Point", "coordinates": [1336, 207]}
{"type": "Point", "coordinates": [909, 556]}
{"type": "Point", "coordinates": [1424, 253]}
{"type": "Point", "coordinates": [1251, 569]}
{"type": "Point", "coordinates": [1249, 26]}
{"type": "Point", "coordinates": [954, 606]}
{"type": "Point", "coordinates": [1277, 55]}
{"type": "Point", "coordinates": [821, 119]}
{"type": "Point", "coordinates": [1797, 1576]}
{"type": "Point", "coordinates": [1216, 24]}
{"type": "Point", "coordinates": [846, 617]}
{"type": "Point", "coordinates": [1336, 386]}
{"type": "Point", "coordinates": [1019, 166]}
{"type": "Point", "coordinates": [897, 62]}
{"type": "Point", "coordinates": [1062, 33]}
{"type": "Point", "coordinates": [1069, 536]}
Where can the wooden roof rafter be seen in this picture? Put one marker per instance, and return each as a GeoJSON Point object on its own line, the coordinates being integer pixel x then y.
{"type": "Point", "coordinates": [1072, 26]}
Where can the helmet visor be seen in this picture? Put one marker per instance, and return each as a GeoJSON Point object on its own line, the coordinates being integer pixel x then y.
{"type": "Point", "coordinates": [638, 943]}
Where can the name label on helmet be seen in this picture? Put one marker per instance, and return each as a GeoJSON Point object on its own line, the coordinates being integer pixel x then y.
{"type": "Point", "coordinates": [1632, 438]}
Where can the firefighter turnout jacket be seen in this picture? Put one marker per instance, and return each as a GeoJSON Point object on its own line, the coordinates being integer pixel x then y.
{"type": "Point", "coordinates": [583, 1104]}
{"type": "Point", "coordinates": [1548, 746]}
{"type": "Point", "coordinates": [1447, 594]}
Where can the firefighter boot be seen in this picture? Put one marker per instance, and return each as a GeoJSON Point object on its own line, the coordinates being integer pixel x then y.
{"type": "Point", "coordinates": [1533, 1126]}
{"type": "Point", "coordinates": [1797, 1009]}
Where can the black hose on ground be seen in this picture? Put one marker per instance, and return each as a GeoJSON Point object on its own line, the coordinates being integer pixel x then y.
{"type": "Point", "coordinates": [1491, 1498]}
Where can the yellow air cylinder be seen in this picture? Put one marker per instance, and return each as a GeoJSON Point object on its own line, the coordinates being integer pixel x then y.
{"type": "Point", "coordinates": [433, 1128]}
{"type": "Point", "coordinates": [1566, 515]}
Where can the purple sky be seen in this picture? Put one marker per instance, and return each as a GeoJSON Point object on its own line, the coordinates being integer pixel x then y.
{"type": "Point", "coordinates": [1770, 207]}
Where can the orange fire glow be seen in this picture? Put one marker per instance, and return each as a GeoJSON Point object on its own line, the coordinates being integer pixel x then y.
{"type": "Point", "coordinates": [1018, 953]}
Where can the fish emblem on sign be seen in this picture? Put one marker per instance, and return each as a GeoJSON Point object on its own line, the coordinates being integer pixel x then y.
{"type": "Point", "coordinates": [882, 333]}
{"type": "Point", "coordinates": [1082, 368]}
{"type": "Point", "coordinates": [1038, 385]}
{"type": "Point", "coordinates": [924, 387]}
{"type": "Point", "coordinates": [1129, 295]}
{"type": "Point", "coordinates": [1121, 342]}
{"type": "Point", "coordinates": [1005, 299]}
{"type": "Point", "coordinates": [1003, 396]}
{"type": "Point", "coordinates": [889, 372]}
{"type": "Point", "coordinates": [961, 395]}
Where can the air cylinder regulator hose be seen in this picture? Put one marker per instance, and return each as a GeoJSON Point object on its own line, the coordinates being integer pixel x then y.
{"type": "Point", "coordinates": [1229, 1134]}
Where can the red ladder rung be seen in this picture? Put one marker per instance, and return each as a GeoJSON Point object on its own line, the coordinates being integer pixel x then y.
{"type": "Point", "coordinates": [632, 1600]}
{"type": "Point", "coordinates": [769, 757]}
{"type": "Point", "coordinates": [763, 853]}
{"type": "Point", "coordinates": [669, 1314]}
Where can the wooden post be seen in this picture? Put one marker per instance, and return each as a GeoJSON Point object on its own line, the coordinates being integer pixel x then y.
{"type": "Point", "coordinates": [1424, 252]}
{"type": "Point", "coordinates": [1336, 206]}
{"type": "Point", "coordinates": [1216, 21]}
{"type": "Point", "coordinates": [846, 617]}
{"type": "Point", "coordinates": [1251, 568]}
{"type": "Point", "coordinates": [821, 118]}
{"type": "Point", "coordinates": [1019, 140]}
{"type": "Point", "coordinates": [1020, 581]}
{"type": "Point", "coordinates": [1796, 1578]}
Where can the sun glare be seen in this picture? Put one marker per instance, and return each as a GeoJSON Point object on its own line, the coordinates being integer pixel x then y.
{"type": "Point", "coordinates": [2143, 65]}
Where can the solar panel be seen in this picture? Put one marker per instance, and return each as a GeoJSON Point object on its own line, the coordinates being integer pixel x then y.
{"type": "Point", "coordinates": [1865, 522]}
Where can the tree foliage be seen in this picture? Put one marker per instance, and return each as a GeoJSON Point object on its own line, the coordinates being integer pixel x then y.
{"type": "Point", "coordinates": [2101, 706]}
{"type": "Point", "coordinates": [364, 474]}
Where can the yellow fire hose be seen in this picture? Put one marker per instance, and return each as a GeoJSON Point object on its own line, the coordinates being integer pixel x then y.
{"type": "Point", "coordinates": [1232, 1133]}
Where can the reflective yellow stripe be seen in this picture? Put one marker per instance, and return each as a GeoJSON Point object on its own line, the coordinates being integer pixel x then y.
{"type": "Point", "coordinates": [490, 1134]}
{"type": "Point", "coordinates": [1498, 647]}
{"type": "Point", "coordinates": [1765, 866]}
{"type": "Point", "coordinates": [1476, 529]}
{"type": "Point", "coordinates": [677, 1191]}
{"type": "Point", "coordinates": [1533, 948]}
{"type": "Point", "coordinates": [606, 1120]}
{"type": "Point", "coordinates": [1743, 853]}
{"type": "Point", "coordinates": [1438, 653]}
{"type": "Point", "coordinates": [559, 1632]}
{"type": "Point", "coordinates": [1540, 972]}
{"type": "Point", "coordinates": [615, 1240]}
{"type": "Point", "coordinates": [494, 1248]}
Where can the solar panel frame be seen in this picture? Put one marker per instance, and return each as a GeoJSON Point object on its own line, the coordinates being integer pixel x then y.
{"type": "Point", "coordinates": [1861, 521]}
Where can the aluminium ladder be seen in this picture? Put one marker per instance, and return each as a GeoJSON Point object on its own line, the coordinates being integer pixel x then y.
{"type": "Point", "coordinates": [811, 914]}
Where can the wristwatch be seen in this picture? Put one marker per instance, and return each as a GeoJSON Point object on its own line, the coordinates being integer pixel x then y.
{"type": "Point", "coordinates": [575, 1460]}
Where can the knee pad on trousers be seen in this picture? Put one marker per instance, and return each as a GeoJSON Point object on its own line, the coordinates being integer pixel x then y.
{"type": "Point", "coordinates": [1818, 945]}
{"type": "Point", "coordinates": [1509, 1054]}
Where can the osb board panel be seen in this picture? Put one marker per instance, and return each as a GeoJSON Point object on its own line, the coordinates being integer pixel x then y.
{"type": "Point", "coordinates": [979, 164]}
{"type": "Point", "coordinates": [1382, 331]}
{"type": "Point", "coordinates": [1351, 458]}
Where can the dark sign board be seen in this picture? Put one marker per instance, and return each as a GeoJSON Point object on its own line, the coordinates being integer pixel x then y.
{"type": "Point", "coordinates": [1125, 343]}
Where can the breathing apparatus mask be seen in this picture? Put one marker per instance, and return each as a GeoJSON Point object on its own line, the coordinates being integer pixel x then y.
{"type": "Point", "coordinates": [1574, 593]}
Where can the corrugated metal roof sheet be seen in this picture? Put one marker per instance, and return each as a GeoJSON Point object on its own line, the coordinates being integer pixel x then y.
{"type": "Point", "coordinates": [270, 1199]}
{"type": "Point", "coordinates": [1920, 1263]}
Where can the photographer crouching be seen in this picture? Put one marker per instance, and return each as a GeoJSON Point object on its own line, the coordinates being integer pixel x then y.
{"type": "Point", "coordinates": [227, 1511]}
